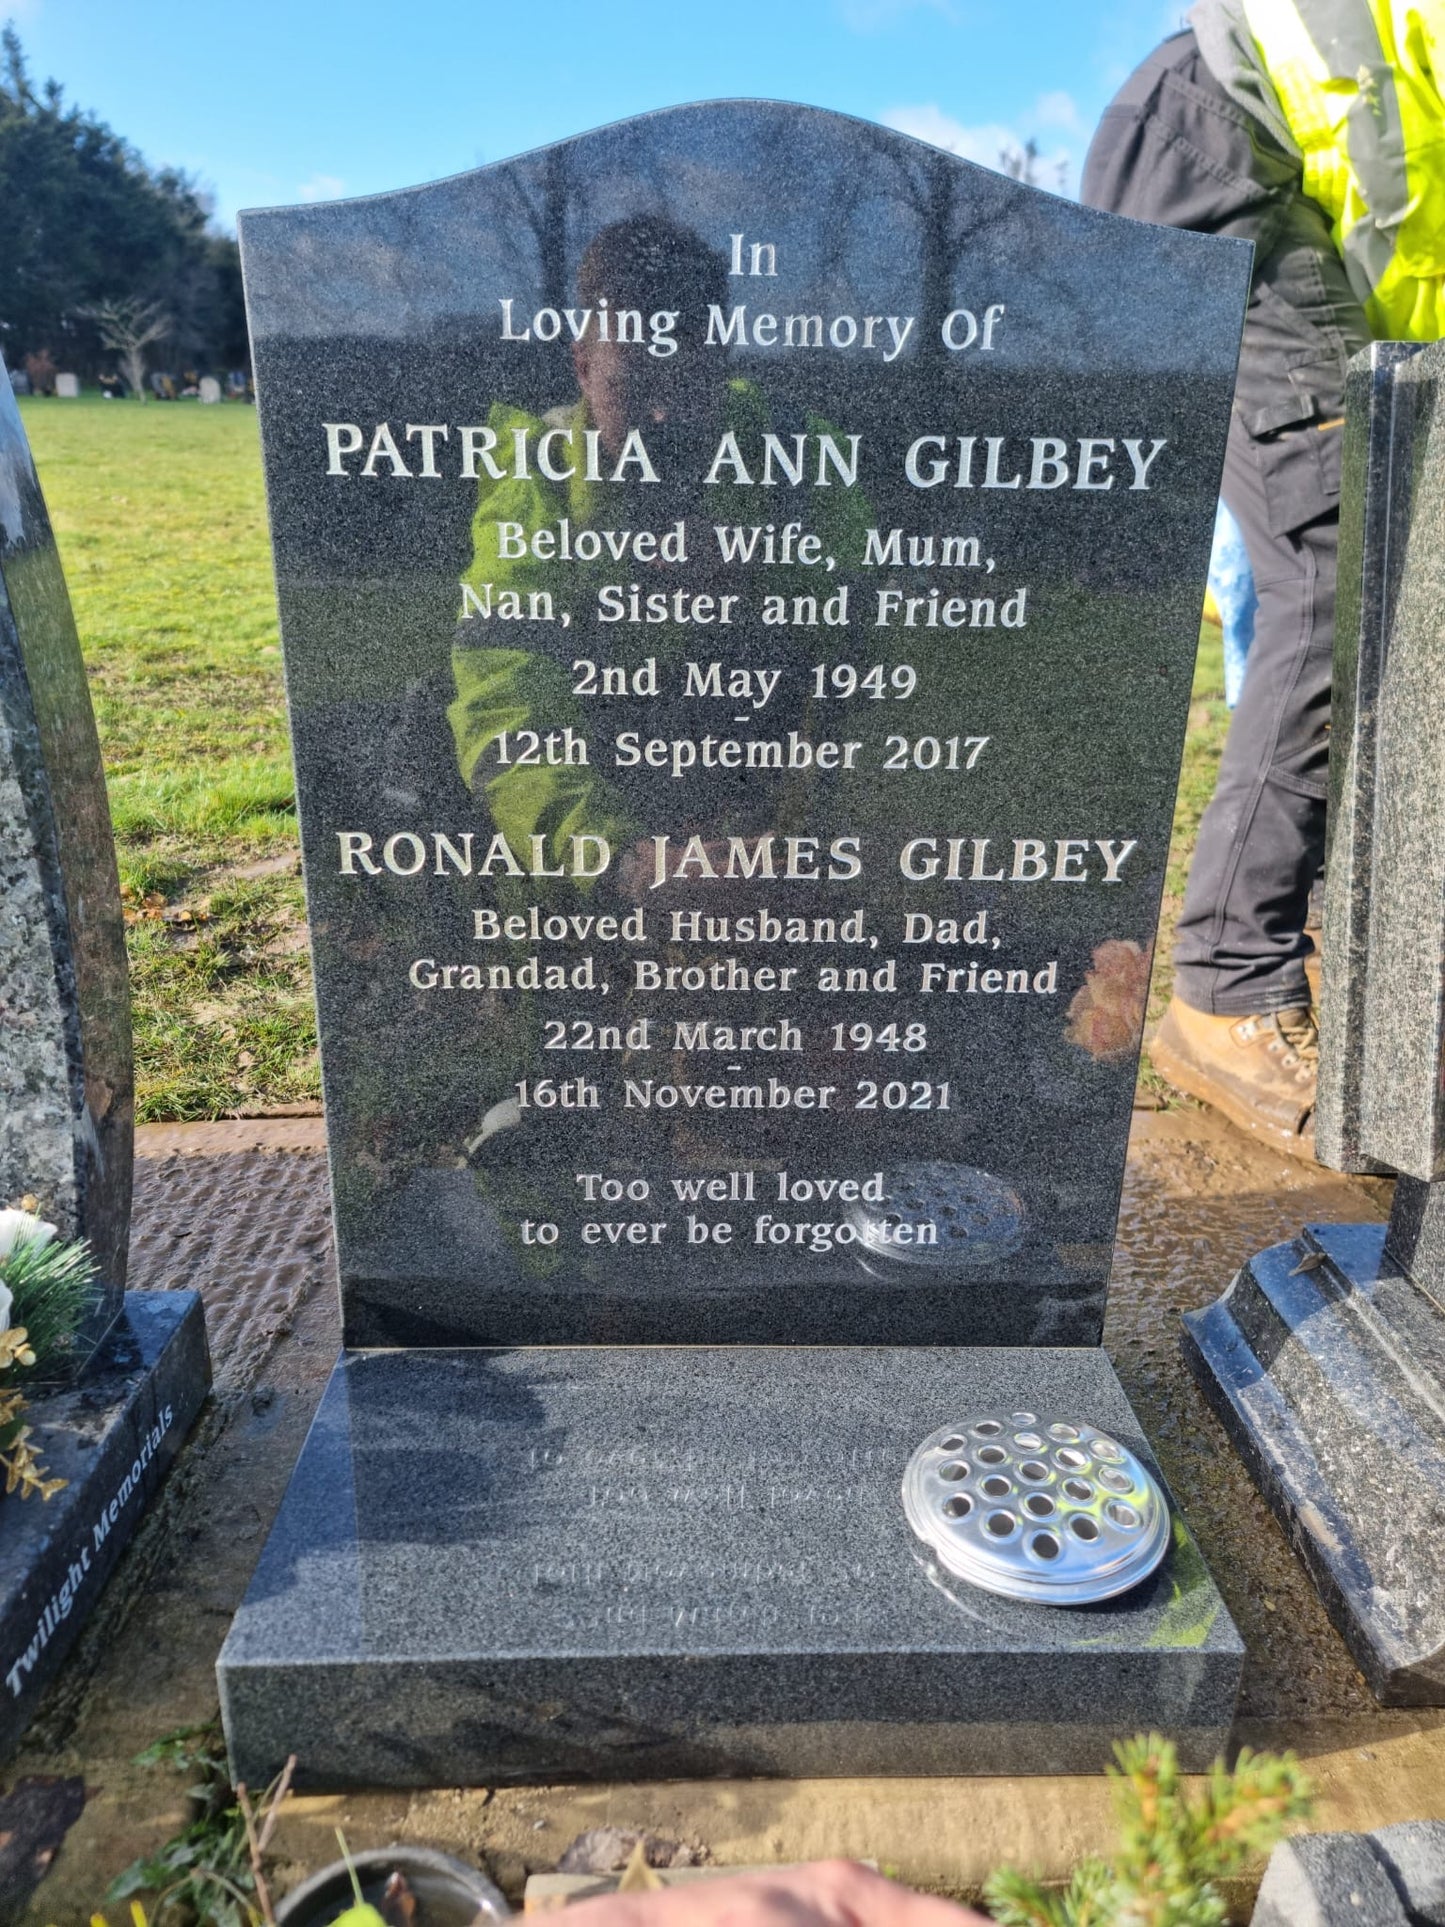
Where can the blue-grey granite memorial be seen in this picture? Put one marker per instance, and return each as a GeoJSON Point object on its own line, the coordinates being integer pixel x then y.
{"type": "Point", "coordinates": [1326, 1356]}
{"type": "Point", "coordinates": [738, 644]}
{"type": "Point", "coordinates": [120, 1401]}
{"type": "Point", "coordinates": [1394, 1877]}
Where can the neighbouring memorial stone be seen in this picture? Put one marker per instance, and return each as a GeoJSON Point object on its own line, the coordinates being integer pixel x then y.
{"type": "Point", "coordinates": [1394, 1877]}
{"type": "Point", "coordinates": [1326, 1357]}
{"type": "Point", "coordinates": [738, 648]}
{"type": "Point", "coordinates": [112, 1436]}
{"type": "Point", "coordinates": [66, 1086]}
{"type": "Point", "coordinates": [137, 1371]}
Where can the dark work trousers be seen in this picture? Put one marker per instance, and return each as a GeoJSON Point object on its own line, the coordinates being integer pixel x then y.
{"type": "Point", "coordinates": [1173, 148]}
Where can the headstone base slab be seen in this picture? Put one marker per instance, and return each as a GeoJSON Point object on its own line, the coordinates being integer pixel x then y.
{"type": "Point", "coordinates": [113, 1437]}
{"type": "Point", "coordinates": [540, 1565]}
{"type": "Point", "coordinates": [1323, 1362]}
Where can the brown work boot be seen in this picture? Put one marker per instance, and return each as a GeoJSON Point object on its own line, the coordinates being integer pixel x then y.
{"type": "Point", "coordinates": [1259, 1071]}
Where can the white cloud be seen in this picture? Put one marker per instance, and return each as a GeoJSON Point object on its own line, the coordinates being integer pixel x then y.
{"type": "Point", "coordinates": [981, 143]}
{"type": "Point", "coordinates": [990, 143]}
{"type": "Point", "coordinates": [1058, 110]}
{"type": "Point", "coordinates": [321, 187]}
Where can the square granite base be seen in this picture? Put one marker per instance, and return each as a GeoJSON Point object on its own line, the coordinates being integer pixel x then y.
{"type": "Point", "coordinates": [112, 1437]}
{"type": "Point", "coordinates": [619, 1563]}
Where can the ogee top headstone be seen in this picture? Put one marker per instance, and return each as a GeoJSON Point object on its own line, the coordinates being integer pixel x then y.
{"type": "Point", "coordinates": [738, 643]}
{"type": "Point", "coordinates": [66, 1090]}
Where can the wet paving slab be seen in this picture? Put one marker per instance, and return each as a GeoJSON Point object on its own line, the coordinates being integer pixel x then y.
{"type": "Point", "coordinates": [240, 1210]}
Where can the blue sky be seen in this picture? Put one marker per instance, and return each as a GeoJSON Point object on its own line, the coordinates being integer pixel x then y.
{"type": "Point", "coordinates": [269, 101]}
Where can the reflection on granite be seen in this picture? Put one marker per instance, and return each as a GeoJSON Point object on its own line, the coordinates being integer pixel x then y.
{"type": "Point", "coordinates": [1005, 412]}
{"type": "Point", "coordinates": [627, 1563]}
{"type": "Point", "coordinates": [66, 1092]}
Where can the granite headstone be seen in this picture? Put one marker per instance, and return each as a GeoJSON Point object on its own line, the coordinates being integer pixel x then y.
{"type": "Point", "coordinates": [137, 1371]}
{"type": "Point", "coordinates": [1326, 1357]}
{"type": "Point", "coordinates": [767, 789]}
{"type": "Point", "coordinates": [738, 647]}
{"type": "Point", "coordinates": [67, 1098]}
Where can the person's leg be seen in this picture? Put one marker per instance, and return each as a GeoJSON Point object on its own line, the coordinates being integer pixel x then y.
{"type": "Point", "coordinates": [1174, 148]}
{"type": "Point", "coordinates": [1240, 1033]}
{"type": "Point", "coordinates": [1240, 947]}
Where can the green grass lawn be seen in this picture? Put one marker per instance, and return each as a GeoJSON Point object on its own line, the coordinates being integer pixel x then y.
{"type": "Point", "coordinates": [160, 517]}
{"type": "Point", "coordinates": [161, 522]}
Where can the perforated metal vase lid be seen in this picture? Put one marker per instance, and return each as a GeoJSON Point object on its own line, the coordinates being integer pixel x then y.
{"type": "Point", "coordinates": [933, 1213]}
{"type": "Point", "coordinates": [1036, 1507]}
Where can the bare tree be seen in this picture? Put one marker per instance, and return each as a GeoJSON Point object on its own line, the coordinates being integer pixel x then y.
{"type": "Point", "coordinates": [129, 327]}
{"type": "Point", "coordinates": [1021, 163]}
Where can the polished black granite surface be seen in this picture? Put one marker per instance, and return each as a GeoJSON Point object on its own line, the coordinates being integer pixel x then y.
{"type": "Point", "coordinates": [1325, 1361]}
{"type": "Point", "coordinates": [739, 574]}
{"type": "Point", "coordinates": [640, 1563]}
{"type": "Point", "coordinates": [738, 645]}
{"type": "Point", "coordinates": [1326, 1356]}
{"type": "Point", "coordinates": [125, 1393]}
{"type": "Point", "coordinates": [66, 1085]}
{"type": "Point", "coordinates": [112, 1438]}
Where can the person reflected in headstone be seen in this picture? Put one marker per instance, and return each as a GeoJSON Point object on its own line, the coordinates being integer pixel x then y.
{"type": "Point", "coordinates": [655, 401]}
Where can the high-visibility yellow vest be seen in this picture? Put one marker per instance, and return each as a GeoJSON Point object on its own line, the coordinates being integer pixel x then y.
{"type": "Point", "coordinates": [1359, 82]}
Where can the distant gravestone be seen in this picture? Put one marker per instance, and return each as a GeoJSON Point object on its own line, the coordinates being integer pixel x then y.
{"type": "Point", "coordinates": [738, 653]}
{"type": "Point", "coordinates": [1326, 1357]}
{"type": "Point", "coordinates": [210, 389]}
{"type": "Point", "coordinates": [138, 1369]}
{"type": "Point", "coordinates": [67, 387]}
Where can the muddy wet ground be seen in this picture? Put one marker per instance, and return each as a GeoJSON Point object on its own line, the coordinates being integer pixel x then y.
{"type": "Point", "coordinates": [241, 1212]}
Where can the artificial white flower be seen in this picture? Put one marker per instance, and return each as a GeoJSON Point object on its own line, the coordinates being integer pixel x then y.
{"type": "Point", "coordinates": [6, 1300]}
{"type": "Point", "coordinates": [15, 1225]}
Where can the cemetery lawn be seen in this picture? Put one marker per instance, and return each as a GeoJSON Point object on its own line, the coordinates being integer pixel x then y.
{"type": "Point", "coordinates": [160, 517]}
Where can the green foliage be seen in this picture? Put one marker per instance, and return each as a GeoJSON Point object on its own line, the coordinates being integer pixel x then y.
{"type": "Point", "coordinates": [251, 798]}
{"type": "Point", "coordinates": [52, 1286]}
{"type": "Point", "coordinates": [360, 1913]}
{"type": "Point", "coordinates": [83, 219]}
{"type": "Point", "coordinates": [1173, 1847]}
{"type": "Point", "coordinates": [204, 1870]}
